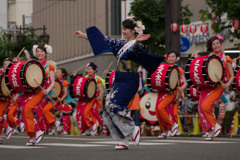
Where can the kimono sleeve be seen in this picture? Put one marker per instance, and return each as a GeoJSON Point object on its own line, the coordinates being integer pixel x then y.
{"type": "Point", "coordinates": [100, 43]}
{"type": "Point", "coordinates": [149, 61]}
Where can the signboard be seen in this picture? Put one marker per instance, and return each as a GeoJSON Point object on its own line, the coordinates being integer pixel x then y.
{"type": "Point", "coordinates": [184, 44]}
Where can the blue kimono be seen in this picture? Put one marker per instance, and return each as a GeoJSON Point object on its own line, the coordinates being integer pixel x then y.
{"type": "Point", "coordinates": [116, 114]}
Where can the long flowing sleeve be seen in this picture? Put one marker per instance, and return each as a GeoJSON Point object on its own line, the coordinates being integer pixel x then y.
{"type": "Point", "coordinates": [149, 61]}
{"type": "Point", "coordinates": [102, 44]}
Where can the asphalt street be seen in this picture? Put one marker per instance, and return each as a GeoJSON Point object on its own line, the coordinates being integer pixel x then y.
{"type": "Point", "coordinates": [102, 148]}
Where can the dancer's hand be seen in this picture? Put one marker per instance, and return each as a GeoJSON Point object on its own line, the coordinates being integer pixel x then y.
{"type": "Point", "coordinates": [234, 63]}
{"type": "Point", "coordinates": [75, 73]}
{"type": "Point", "coordinates": [224, 86]}
{"type": "Point", "coordinates": [80, 34]}
{"type": "Point", "coordinates": [46, 91]}
{"type": "Point", "coordinates": [194, 55]}
{"type": "Point", "coordinates": [143, 37]}
{"type": "Point", "coordinates": [105, 73]}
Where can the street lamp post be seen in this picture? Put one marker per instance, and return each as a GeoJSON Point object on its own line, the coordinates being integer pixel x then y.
{"type": "Point", "coordinates": [44, 37]}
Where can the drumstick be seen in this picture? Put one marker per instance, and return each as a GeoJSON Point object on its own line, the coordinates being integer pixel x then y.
{"type": "Point", "coordinates": [237, 57]}
{"type": "Point", "coordinates": [13, 99]}
{"type": "Point", "coordinates": [42, 88]}
{"type": "Point", "coordinates": [196, 52]}
{"type": "Point", "coordinates": [78, 69]}
{"type": "Point", "coordinates": [108, 68]}
{"type": "Point", "coordinates": [178, 92]}
{"type": "Point", "coordinates": [218, 79]}
{"type": "Point", "coordinates": [20, 53]}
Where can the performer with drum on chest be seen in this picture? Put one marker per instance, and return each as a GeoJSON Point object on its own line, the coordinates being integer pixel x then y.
{"type": "Point", "coordinates": [213, 77]}
{"type": "Point", "coordinates": [130, 54]}
{"type": "Point", "coordinates": [84, 89]}
{"type": "Point", "coordinates": [91, 73]}
{"type": "Point", "coordinates": [34, 99]}
{"type": "Point", "coordinates": [166, 100]}
{"type": "Point", "coordinates": [61, 94]}
{"type": "Point", "coordinates": [4, 101]}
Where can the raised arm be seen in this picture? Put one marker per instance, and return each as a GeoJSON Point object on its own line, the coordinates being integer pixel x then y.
{"type": "Point", "coordinates": [80, 34]}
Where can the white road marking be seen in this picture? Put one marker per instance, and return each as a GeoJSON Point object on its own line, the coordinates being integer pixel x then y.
{"type": "Point", "coordinates": [19, 147]}
{"type": "Point", "coordinates": [190, 141]}
{"type": "Point", "coordinates": [82, 138]}
{"type": "Point", "coordinates": [141, 143]}
{"type": "Point", "coordinates": [71, 145]}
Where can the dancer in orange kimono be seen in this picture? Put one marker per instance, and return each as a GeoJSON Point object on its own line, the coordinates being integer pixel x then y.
{"type": "Point", "coordinates": [3, 106]}
{"type": "Point", "coordinates": [165, 103]}
{"type": "Point", "coordinates": [34, 99]}
{"type": "Point", "coordinates": [210, 95]}
{"type": "Point", "coordinates": [64, 98]}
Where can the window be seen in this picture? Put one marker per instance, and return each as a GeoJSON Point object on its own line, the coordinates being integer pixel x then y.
{"type": "Point", "coordinates": [116, 17]}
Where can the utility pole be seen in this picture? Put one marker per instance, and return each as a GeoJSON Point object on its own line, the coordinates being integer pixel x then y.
{"type": "Point", "coordinates": [172, 14]}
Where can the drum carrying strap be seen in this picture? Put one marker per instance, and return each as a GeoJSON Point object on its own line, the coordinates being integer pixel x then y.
{"type": "Point", "coordinates": [46, 65]}
{"type": "Point", "coordinates": [51, 93]}
{"type": "Point", "coordinates": [68, 99]}
{"type": "Point", "coordinates": [223, 57]}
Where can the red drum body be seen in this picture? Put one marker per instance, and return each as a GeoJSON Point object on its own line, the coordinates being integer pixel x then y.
{"type": "Point", "coordinates": [57, 90]}
{"type": "Point", "coordinates": [193, 93]}
{"type": "Point", "coordinates": [4, 91]}
{"type": "Point", "coordinates": [202, 71]}
{"type": "Point", "coordinates": [165, 78]}
{"type": "Point", "coordinates": [109, 80]}
{"type": "Point", "coordinates": [236, 81]}
{"type": "Point", "coordinates": [22, 76]}
{"type": "Point", "coordinates": [83, 88]}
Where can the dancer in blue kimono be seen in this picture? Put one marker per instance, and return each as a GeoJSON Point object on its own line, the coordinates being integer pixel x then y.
{"type": "Point", "coordinates": [130, 53]}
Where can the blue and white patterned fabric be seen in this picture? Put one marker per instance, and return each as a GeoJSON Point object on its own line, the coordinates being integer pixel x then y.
{"type": "Point", "coordinates": [116, 114]}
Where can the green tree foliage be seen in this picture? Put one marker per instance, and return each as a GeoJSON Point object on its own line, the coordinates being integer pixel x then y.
{"type": "Point", "coordinates": [152, 13]}
{"type": "Point", "coordinates": [9, 48]}
{"type": "Point", "coordinates": [217, 9]}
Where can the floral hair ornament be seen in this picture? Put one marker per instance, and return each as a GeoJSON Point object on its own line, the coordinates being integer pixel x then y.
{"type": "Point", "coordinates": [220, 37]}
{"type": "Point", "coordinates": [46, 48]}
{"type": "Point", "coordinates": [87, 66]}
{"type": "Point", "coordinates": [139, 27]}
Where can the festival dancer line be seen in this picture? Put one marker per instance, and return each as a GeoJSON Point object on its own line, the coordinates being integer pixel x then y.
{"type": "Point", "coordinates": [130, 53]}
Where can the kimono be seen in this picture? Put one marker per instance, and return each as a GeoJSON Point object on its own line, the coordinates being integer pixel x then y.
{"type": "Point", "coordinates": [129, 57]}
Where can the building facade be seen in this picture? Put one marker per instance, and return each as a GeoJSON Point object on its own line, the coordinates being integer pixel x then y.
{"type": "Point", "coordinates": [62, 18]}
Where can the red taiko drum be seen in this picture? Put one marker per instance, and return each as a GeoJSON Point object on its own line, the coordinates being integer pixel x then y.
{"type": "Point", "coordinates": [202, 71]}
{"type": "Point", "coordinates": [109, 80]}
{"type": "Point", "coordinates": [83, 88]}
{"type": "Point", "coordinates": [236, 81]}
{"type": "Point", "coordinates": [57, 89]}
{"type": "Point", "coordinates": [22, 76]}
{"type": "Point", "coordinates": [193, 93]}
{"type": "Point", "coordinates": [4, 91]}
{"type": "Point", "coordinates": [165, 78]}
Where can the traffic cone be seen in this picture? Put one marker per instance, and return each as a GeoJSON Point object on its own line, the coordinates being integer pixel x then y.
{"type": "Point", "coordinates": [234, 125]}
{"type": "Point", "coordinates": [180, 126]}
{"type": "Point", "coordinates": [152, 130]}
{"type": "Point", "coordinates": [72, 131]}
{"type": "Point", "coordinates": [237, 123]}
{"type": "Point", "coordinates": [196, 128]}
{"type": "Point", "coordinates": [142, 127]}
{"type": "Point", "coordinates": [104, 130]}
{"type": "Point", "coordinates": [79, 132]}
